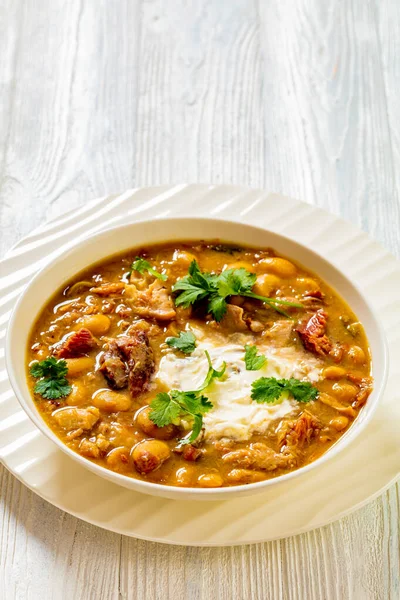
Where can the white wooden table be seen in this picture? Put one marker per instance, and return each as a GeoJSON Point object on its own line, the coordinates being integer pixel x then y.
{"type": "Point", "coordinates": [296, 96]}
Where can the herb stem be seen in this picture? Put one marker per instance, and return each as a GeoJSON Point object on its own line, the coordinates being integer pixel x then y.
{"type": "Point", "coordinates": [272, 300]}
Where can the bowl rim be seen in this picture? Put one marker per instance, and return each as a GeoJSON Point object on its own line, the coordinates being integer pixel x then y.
{"type": "Point", "coordinates": [27, 402]}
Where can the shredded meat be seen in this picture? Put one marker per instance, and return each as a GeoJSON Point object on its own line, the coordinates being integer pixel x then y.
{"type": "Point", "coordinates": [152, 329]}
{"type": "Point", "coordinates": [89, 449]}
{"type": "Point", "coordinates": [107, 289]}
{"type": "Point", "coordinates": [316, 294]}
{"type": "Point", "coordinates": [313, 300]}
{"type": "Point", "coordinates": [258, 456]}
{"type": "Point", "coordinates": [136, 351]}
{"type": "Point", "coordinates": [102, 442]}
{"type": "Point", "coordinates": [113, 367]}
{"type": "Point", "coordinates": [313, 336]}
{"type": "Point", "coordinates": [365, 388]}
{"type": "Point", "coordinates": [153, 302]}
{"type": "Point", "coordinates": [224, 445]}
{"type": "Point", "coordinates": [233, 318]}
{"type": "Point", "coordinates": [77, 344]}
{"type": "Point", "coordinates": [255, 326]}
{"type": "Point", "coordinates": [280, 332]}
{"type": "Point", "coordinates": [295, 434]}
{"type": "Point", "coordinates": [77, 418]}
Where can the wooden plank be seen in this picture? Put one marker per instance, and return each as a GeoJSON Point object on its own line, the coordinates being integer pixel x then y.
{"type": "Point", "coordinates": [327, 130]}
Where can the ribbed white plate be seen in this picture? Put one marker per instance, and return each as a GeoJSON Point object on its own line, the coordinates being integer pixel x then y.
{"type": "Point", "coordinates": [346, 482]}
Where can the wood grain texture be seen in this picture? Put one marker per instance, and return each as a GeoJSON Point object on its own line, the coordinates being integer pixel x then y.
{"type": "Point", "coordinates": [298, 96]}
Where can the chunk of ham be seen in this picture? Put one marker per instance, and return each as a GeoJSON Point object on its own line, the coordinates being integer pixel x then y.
{"type": "Point", "coordinates": [77, 344]}
{"type": "Point", "coordinates": [313, 336]}
{"type": "Point", "coordinates": [114, 369]}
{"type": "Point", "coordinates": [152, 303]}
{"type": "Point", "coordinates": [189, 452]}
{"type": "Point", "coordinates": [258, 456]}
{"type": "Point", "coordinates": [76, 418]}
{"type": "Point", "coordinates": [128, 360]}
{"type": "Point", "coordinates": [136, 351]}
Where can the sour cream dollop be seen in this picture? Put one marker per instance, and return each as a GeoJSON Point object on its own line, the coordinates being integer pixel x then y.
{"type": "Point", "coordinates": [234, 414]}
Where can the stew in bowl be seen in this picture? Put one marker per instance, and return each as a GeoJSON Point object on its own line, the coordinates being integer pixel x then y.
{"type": "Point", "coordinates": [198, 364]}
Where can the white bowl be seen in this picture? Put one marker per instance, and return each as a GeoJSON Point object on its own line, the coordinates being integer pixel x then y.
{"type": "Point", "coordinates": [85, 252]}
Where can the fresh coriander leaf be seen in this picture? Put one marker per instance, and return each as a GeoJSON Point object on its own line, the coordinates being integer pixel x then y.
{"type": "Point", "coordinates": [49, 367]}
{"type": "Point", "coordinates": [212, 373]}
{"type": "Point", "coordinates": [269, 389]}
{"type": "Point", "coordinates": [197, 427]}
{"type": "Point", "coordinates": [266, 389]}
{"type": "Point", "coordinates": [187, 401]}
{"type": "Point", "coordinates": [53, 384]}
{"type": "Point", "coordinates": [168, 408]}
{"type": "Point", "coordinates": [217, 306]}
{"type": "Point", "coordinates": [164, 410]}
{"type": "Point", "coordinates": [191, 402]}
{"type": "Point", "coordinates": [253, 361]}
{"type": "Point", "coordinates": [302, 391]}
{"type": "Point", "coordinates": [191, 295]}
{"type": "Point", "coordinates": [194, 287]}
{"type": "Point", "coordinates": [141, 265]}
{"type": "Point", "coordinates": [234, 282]}
{"type": "Point", "coordinates": [207, 281]}
{"type": "Point", "coordinates": [52, 389]}
{"type": "Point", "coordinates": [205, 404]}
{"type": "Point", "coordinates": [198, 285]}
{"type": "Point", "coordinates": [185, 342]}
{"type": "Point", "coordinates": [194, 434]}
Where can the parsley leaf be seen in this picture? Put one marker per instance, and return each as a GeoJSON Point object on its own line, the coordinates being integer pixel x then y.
{"type": "Point", "coordinates": [185, 342]}
{"type": "Point", "coordinates": [51, 389]}
{"type": "Point", "coordinates": [235, 282]}
{"type": "Point", "coordinates": [169, 407]}
{"type": "Point", "coordinates": [197, 427]}
{"type": "Point", "coordinates": [141, 265]}
{"type": "Point", "coordinates": [164, 410]}
{"type": "Point", "coordinates": [212, 373]}
{"type": "Point", "coordinates": [301, 391]}
{"type": "Point", "coordinates": [254, 361]}
{"type": "Point", "coordinates": [266, 389]}
{"type": "Point", "coordinates": [198, 285]}
{"type": "Point", "coordinates": [217, 306]}
{"type": "Point", "coordinates": [49, 367]}
{"type": "Point", "coordinates": [270, 389]}
{"type": "Point", "coordinates": [53, 383]}
{"type": "Point", "coordinates": [192, 402]}
{"type": "Point", "coordinates": [194, 287]}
